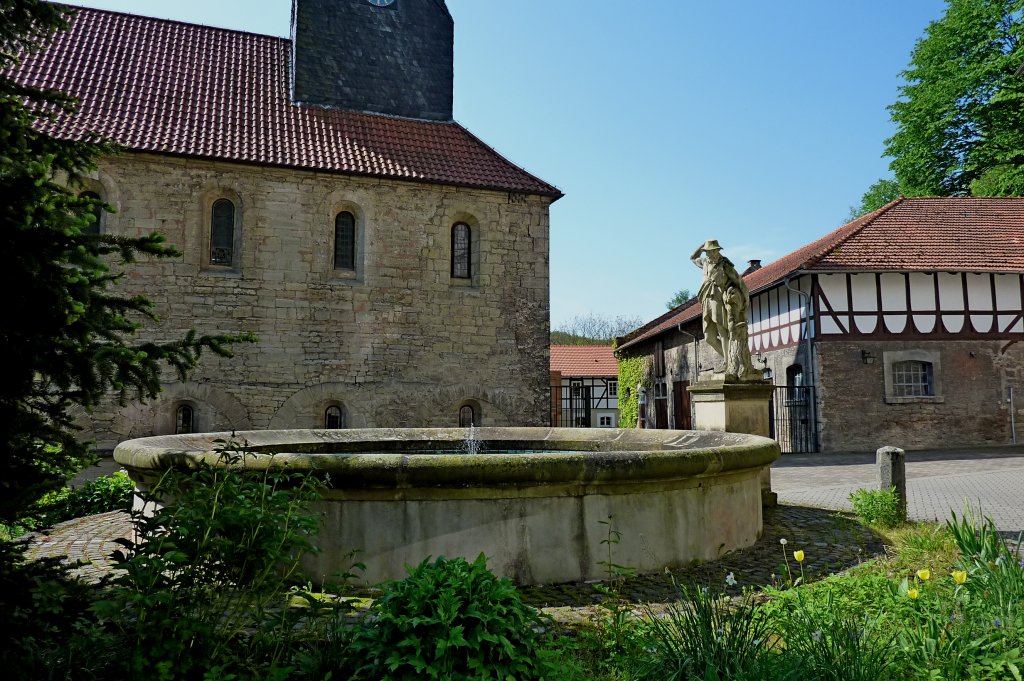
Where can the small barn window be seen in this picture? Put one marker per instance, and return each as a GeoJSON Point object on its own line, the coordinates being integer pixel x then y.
{"type": "Point", "coordinates": [467, 416]}
{"type": "Point", "coordinates": [912, 379]}
{"type": "Point", "coordinates": [96, 227]}
{"type": "Point", "coordinates": [345, 241]}
{"type": "Point", "coordinates": [184, 420]}
{"type": "Point", "coordinates": [462, 246]}
{"type": "Point", "coordinates": [912, 376]}
{"type": "Point", "coordinates": [334, 418]}
{"type": "Point", "coordinates": [222, 232]}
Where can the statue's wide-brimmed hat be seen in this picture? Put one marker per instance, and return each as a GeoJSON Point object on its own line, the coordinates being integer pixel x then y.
{"type": "Point", "coordinates": [711, 245]}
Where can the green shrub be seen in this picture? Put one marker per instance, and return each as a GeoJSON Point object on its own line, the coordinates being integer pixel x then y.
{"type": "Point", "coordinates": [878, 507]}
{"type": "Point", "coordinates": [48, 631]}
{"type": "Point", "coordinates": [202, 588]}
{"type": "Point", "coordinates": [107, 493]}
{"type": "Point", "coordinates": [449, 620]}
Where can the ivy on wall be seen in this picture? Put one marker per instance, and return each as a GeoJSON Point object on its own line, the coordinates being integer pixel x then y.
{"type": "Point", "coordinates": [632, 371]}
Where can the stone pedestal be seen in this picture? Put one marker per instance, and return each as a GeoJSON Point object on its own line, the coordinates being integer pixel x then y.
{"type": "Point", "coordinates": [735, 408]}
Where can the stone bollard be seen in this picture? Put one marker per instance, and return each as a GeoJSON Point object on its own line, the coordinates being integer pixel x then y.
{"type": "Point", "coordinates": [892, 472]}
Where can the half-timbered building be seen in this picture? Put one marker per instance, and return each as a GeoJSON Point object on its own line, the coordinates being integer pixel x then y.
{"type": "Point", "coordinates": [584, 386]}
{"type": "Point", "coordinates": [900, 327]}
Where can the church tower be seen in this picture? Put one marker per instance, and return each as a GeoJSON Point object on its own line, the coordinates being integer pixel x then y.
{"type": "Point", "coordinates": [392, 57]}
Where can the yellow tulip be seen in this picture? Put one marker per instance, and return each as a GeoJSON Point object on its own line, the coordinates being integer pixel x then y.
{"type": "Point", "coordinates": [924, 575]}
{"type": "Point", "coordinates": [912, 594]}
{"type": "Point", "coordinates": [959, 576]}
{"type": "Point", "coordinates": [799, 555]}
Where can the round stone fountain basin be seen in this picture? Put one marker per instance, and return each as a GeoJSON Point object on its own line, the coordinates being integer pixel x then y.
{"type": "Point", "coordinates": [538, 502]}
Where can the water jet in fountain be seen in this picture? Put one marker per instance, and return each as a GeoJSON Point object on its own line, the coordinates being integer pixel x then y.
{"type": "Point", "coordinates": [531, 499]}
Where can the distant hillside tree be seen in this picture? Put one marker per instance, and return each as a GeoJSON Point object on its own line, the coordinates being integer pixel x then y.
{"type": "Point", "coordinates": [593, 329]}
{"type": "Point", "coordinates": [681, 296]}
{"type": "Point", "coordinates": [960, 116]}
{"type": "Point", "coordinates": [880, 193]}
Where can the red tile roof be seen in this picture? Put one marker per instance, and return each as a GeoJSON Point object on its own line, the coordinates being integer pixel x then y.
{"type": "Point", "coordinates": [167, 87]}
{"type": "Point", "coordinates": [584, 360]}
{"type": "Point", "coordinates": [936, 234]}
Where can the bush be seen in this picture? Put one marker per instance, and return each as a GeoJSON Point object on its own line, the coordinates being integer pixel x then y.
{"type": "Point", "coordinates": [201, 589]}
{"type": "Point", "coordinates": [108, 493]}
{"type": "Point", "coordinates": [878, 507]}
{"type": "Point", "coordinates": [450, 620]}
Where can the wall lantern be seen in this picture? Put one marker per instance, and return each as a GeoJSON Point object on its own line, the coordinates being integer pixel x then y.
{"type": "Point", "coordinates": [868, 356]}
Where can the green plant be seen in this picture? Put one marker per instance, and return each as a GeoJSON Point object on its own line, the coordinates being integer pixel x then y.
{"type": "Point", "coordinates": [824, 641]}
{"type": "Point", "coordinates": [203, 585]}
{"type": "Point", "coordinates": [44, 614]}
{"type": "Point", "coordinates": [878, 507]}
{"type": "Point", "coordinates": [619, 616]}
{"type": "Point", "coordinates": [633, 371]}
{"type": "Point", "coordinates": [704, 636]}
{"type": "Point", "coordinates": [113, 492]}
{"type": "Point", "coordinates": [449, 619]}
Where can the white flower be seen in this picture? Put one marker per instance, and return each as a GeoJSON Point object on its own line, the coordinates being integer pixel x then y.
{"type": "Point", "coordinates": [816, 636]}
{"type": "Point", "coordinates": [783, 541]}
{"type": "Point", "coordinates": [730, 579]}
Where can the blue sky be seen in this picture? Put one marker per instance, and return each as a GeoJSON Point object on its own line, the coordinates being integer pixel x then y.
{"type": "Point", "coordinates": [665, 122]}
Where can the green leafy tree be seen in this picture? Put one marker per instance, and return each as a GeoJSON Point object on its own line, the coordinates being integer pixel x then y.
{"type": "Point", "coordinates": [880, 193]}
{"type": "Point", "coordinates": [960, 119]}
{"type": "Point", "coordinates": [681, 296]}
{"type": "Point", "coordinates": [66, 335]}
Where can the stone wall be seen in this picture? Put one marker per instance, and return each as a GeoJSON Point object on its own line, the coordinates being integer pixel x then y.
{"type": "Point", "coordinates": [970, 407]}
{"type": "Point", "coordinates": [397, 342]}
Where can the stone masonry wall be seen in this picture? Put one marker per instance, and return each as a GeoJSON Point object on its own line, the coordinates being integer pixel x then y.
{"type": "Point", "coordinates": [972, 379]}
{"type": "Point", "coordinates": [396, 343]}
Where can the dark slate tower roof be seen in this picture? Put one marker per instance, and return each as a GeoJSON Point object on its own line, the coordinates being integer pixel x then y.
{"type": "Point", "coordinates": [167, 87]}
{"type": "Point", "coordinates": [395, 59]}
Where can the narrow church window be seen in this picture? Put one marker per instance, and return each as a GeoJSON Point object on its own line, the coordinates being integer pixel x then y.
{"type": "Point", "coordinates": [334, 418]}
{"type": "Point", "coordinates": [912, 379]}
{"type": "Point", "coordinates": [345, 241]}
{"type": "Point", "coordinates": [184, 420]}
{"type": "Point", "coordinates": [222, 232]}
{"type": "Point", "coordinates": [467, 416]}
{"type": "Point", "coordinates": [97, 212]}
{"type": "Point", "coordinates": [461, 251]}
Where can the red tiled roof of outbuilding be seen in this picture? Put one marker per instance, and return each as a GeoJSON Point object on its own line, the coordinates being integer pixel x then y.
{"type": "Point", "coordinates": [933, 234]}
{"type": "Point", "coordinates": [167, 87]}
{"type": "Point", "coordinates": [584, 360]}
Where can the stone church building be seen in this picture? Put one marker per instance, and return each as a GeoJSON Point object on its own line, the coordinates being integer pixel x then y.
{"type": "Point", "coordinates": [393, 266]}
{"type": "Point", "coordinates": [902, 327]}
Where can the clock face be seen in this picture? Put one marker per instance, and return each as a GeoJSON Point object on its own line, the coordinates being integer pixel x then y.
{"type": "Point", "coordinates": [382, 3]}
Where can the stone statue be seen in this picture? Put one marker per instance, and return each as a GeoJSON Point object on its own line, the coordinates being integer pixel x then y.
{"type": "Point", "coordinates": [724, 301]}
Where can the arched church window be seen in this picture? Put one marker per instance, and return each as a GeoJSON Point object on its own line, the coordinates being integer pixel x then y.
{"type": "Point", "coordinates": [467, 416]}
{"type": "Point", "coordinates": [334, 418]}
{"type": "Point", "coordinates": [462, 245]}
{"type": "Point", "coordinates": [184, 419]}
{"type": "Point", "coordinates": [222, 232]}
{"type": "Point", "coordinates": [97, 212]}
{"type": "Point", "coordinates": [345, 241]}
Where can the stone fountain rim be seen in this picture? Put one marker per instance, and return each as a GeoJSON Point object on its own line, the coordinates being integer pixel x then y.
{"type": "Point", "coordinates": [591, 456]}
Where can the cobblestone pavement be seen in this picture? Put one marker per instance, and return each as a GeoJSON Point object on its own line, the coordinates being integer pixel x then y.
{"type": "Point", "coordinates": [89, 540]}
{"type": "Point", "coordinates": [938, 482]}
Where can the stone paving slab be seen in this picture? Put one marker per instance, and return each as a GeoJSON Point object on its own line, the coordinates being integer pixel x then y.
{"type": "Point", "coordinates": [987, 480]}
